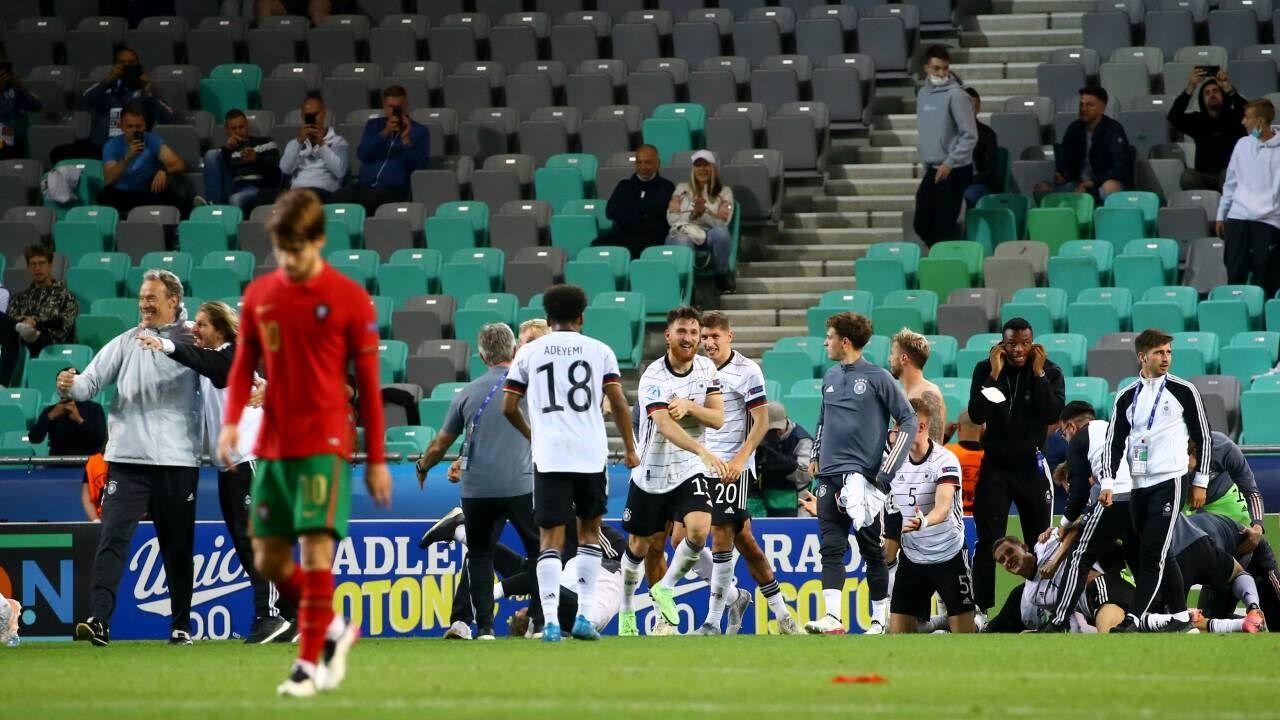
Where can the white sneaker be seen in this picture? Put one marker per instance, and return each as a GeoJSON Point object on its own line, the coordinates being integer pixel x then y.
{"type": "Point", "coordinates": [299, 684]}
{"type": "Point", "coordinates": [737, 609]}
{"type": "Point", "coordinates": [458, 631]}
{"type": "Point", "coordinates": [331, 674]}
{"type": "Point", "coordinates": [877, 628]}
{"type": "Point", "coordinates": [980, 620]}
{"type": "Point", "coordinates": [787, 626]}
{"type": "Point", "coordinates": [825, 625]}
{"type": "Point", "coordinates": [663, 628]}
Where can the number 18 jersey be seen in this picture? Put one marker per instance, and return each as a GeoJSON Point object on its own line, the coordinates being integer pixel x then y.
{"type": "Point", "coordinates": [563, 375]}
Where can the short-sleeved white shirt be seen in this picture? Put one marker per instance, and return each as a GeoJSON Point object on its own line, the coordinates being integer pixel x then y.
{"type": "Point", "coordinates": [663, 466]}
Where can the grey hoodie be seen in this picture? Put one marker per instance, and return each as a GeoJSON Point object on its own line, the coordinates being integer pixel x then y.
{"type": "Point", "coordinates": [155, 417]}
{"type": "Point", "coordinates": [948, 131]}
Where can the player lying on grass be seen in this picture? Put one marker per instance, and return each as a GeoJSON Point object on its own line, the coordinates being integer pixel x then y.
{"type": "Point", "coordinates": [10, 611]}
{"type": "Point", "coordinates": [1030, 606]}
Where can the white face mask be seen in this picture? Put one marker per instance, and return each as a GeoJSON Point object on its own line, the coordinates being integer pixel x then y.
{"type": "Point", "coordinates": [936, 81]}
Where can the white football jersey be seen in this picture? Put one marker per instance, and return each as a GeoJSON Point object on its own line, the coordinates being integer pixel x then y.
{"type": "Point", "coordinates": [663, 466]}
{"type": "Point", "coordinates": [742, 386]}
{"type": "Point", "coordinates": [562, 375]}
{"type": "Point", "coordinates": [914, 488]}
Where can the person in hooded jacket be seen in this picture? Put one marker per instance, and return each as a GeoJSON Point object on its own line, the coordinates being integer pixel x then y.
{"type": "Point", "coordinates": [1215, 127]}
{"type": "Point", "coordinates": [946, 139]}
{"type": "Point", "coordinates": [1249, 211]}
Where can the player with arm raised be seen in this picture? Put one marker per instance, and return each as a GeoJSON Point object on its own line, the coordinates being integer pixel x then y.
{"type": "Point", "coordinates": [308, 321]}
{"type": "Point", "coordinates": [564, 375]}
{"type": "Point", "coordinates": [680, 395]}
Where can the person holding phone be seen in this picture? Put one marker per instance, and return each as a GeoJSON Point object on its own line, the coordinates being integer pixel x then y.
{"type": "Point", "coordinates": [73, 427]}
{"type": "Point", "coordinates": [1214, 127]}
{"type": "Point", "coordinates": [319, 157]}
{"type": "Point", "coordinates": [243, 172]}
{"type": "Point", "coordinates": [1017, 392]}
{"type": "Point", "coordinates": [391, 149]}
{"type": "Point", "coordinates": [127, 83]}
{"type": "Point", "coordinates": [14, 99]}
{"type": "Point", "coordinates": [138, 167]}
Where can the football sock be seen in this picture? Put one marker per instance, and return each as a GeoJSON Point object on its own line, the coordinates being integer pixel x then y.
{"type": "Point", "coordinates": [548, 571]}
{"type": "Point", "coordinates": [831, 601]}
{"type": "Point", "coordinates": [682, 561]}
{"type": "Point", "coordinates": [290, 588]}
{"type": "Point", "coordinates": [337, 626]}
{"type": "Point", "coordinates": [721, 584]}
{"type": "Point", "coordinates": [315, 613]}
{"type": "Point", "coordinates": [1226, 626]}
{"type": "Point", "coordinates": [497, 590]}
{"type": "Point", "coordinates": [1184, 616]}
{"type": "Point", "coordinates": [705, 566]}
{"type": "Point", "coordinates": [632, 571]}
{"type": "Point", "coordinates": [460, 534]}
{"type": "Point", "coordinates": [942, 604]}
{"type": "Point", "coordinates": [589, 557]}
{"type": "Point", "coordinates": [773, 596]}
{"type": "Point", "coordinates": [880, 611]}
{"type": "Point", "coordinates": [893, 575]}
{"type": "Point", "coordinates": [1246, 589]}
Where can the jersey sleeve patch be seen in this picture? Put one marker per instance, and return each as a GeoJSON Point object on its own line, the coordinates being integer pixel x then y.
{"type": "Point", "coordinates": [611, 378]}
{"type": "Point", "coordinates": [651, 408]}
{"type": "Point", "coordinates": [514, 386]}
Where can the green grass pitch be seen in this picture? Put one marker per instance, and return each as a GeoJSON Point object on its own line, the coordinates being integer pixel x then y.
{"type": "Point", "coordinates": [1206, 677]}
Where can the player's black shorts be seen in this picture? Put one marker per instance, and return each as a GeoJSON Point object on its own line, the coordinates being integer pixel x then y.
{"type": "Point", "coordinates": [729, 500]}
{"type": "Point", "coordinates": [893, 526]}
{"type": "Point", "coordinates": [1108, 588]}
{"type": "Point", "coordinates": [916, 583]}
{"type": "Point", "coordinates": [1202, 563]}
{"type": "Point", "coordinates": [560, 496]}
{"type": "Point", "coordinates": [648, 513]}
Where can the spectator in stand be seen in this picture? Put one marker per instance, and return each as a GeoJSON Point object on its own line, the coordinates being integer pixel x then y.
{"type": "Point", "coordinates": [392, 148]}
{"type": "Point", "coordinates": [987, 173]}
{"type": "Point", "coordinates": [127, 84]}
{"type": "Point", "coordinates": [638, 206]}
{"type": "Point", "coordinates": [91, 486]}
{"type": "Point", "coordinates": [1094, 156]}
{"type": "Point", "coordinates": [138, 168]}
{"type": "Point", "coordinates": [14, 100]}
{"type": "Point", "coordinates": [73, 427]}
{"type": "Point", "coordinates": [946, 142]}
{"type": "Point", "coordinates": [245, 171]}
{"type": "Point", "coordinates": [318, 158]}
{"type": "Point", "coordinates": [44, 314]}
{"type": "Point", "coordinates": [782, 466]}
{"type": "Point", "coordinates": [699, 215]}
{"type": "Point", "coordinates": [968, 450]}
{"type": "Point", "coordinates": [317, 10]}
{"type": "Point", "coordinates": [1249, 211]}
{"type": "Point", "coordinates": [1215, 127]}
{"type": "Point", "coordinates": [135, 10]}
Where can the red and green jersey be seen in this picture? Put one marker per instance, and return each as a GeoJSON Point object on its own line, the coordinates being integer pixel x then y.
{"type": "Point", "coordinates": [307, 332]}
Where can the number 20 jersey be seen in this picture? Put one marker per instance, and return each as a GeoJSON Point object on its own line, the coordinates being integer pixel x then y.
{"type": "Point", "coordinates": [663, 466]}
{"type": "Point", "coordinates": [563, 375]}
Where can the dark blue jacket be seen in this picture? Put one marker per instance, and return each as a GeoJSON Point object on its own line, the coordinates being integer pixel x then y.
{"type": "Point", "coordinates": [388, 162]}
{"type": "Point", "coordinates": [1110, 156]}
{"type": "Point", "coordinates": [104, 96]}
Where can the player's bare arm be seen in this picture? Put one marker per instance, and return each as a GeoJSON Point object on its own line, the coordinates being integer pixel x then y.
{"type": "Point", "coordinates": [759, 426]}
{"type": "Point", "coordinates": [434, 454]}
{"type": "Point", "coordinates": [511, 411]}
{"type": "Point", "coordinates": [942, 503]}
{"type": "Point", "coordinates": [614, 397]}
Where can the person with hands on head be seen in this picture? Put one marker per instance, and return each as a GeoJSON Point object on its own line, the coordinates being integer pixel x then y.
{"type": "Point", "coordinates": [1017, 392]}
{"type": "Point", "coordinates": [14, 100]}
{"type": "Point", "coordinates": [391, 149]}
{"type": "Point", "coordinates": [1249, 210]}
{"type": "Point", "coordinates": [1094, 155]}
{"type": "Point", "coordinates": [1214, 127]}
{"type": "Point", "coordinates": [316, 160]}
{"type": "Point", "coordinates": [138, 167]}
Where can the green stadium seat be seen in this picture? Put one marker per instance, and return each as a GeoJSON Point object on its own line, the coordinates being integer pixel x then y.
{"type": "Point", "coordinates": [240, 261]}
{"type": "Point", "coordinates": [668, 135]}
{"type": "Point", "coordinates": [1016, 203]}
{"type": "Point", "coordinates": [124, 308]}
{"type": "Point", "coordinates": [352, 216]}
{"type": "Point", "coordinates": [115, 263]}
{"type": "Point", "coordinates": [1081, 204]}
{"type": "Point", "coordinates": [41, 374]}
{"type": "Point", "coordinates": [1056, 299]}
{"type": "Point", "coordinates": [590, 206]}
{"type": "Point", "coordinates": [433, 411]}
{"type": "Point", "coordinates": [215, 281]}
{"type": "Point", "coordinates": [228, 216]}
{"type": "Point", "coordinates": [1120, 298]}
{"type": "Point", "coordinates": [574, 233]}
{"type": "Point", "coordinates": [1093, 320]}
{"type": "Point", "coordinates": [29, 399]}
{"type": "Point", "coordinates": [429, 260]}
{"type": "Point", "coordinates": [383, 306]}
{"type": "Point", "coordinates": [990, 227]}
{"type": "Point", "coordinates": [97, 330]}
{"type": "Point", "coordinates": [586, 165]}
{"type": "Point", "coordinates": [75, 354]}
{"type": "Point", "coordinates": [877, 351]}
{"type": "Point", "coordinates": [558, 185]}
{"type": "Point", "coordinates": [505, 304]}
{"type": "Point", "coordinates": [467, 322]}
{"type": "Point", "coordinates": [942, 356]}
{"type": "Point", "coordinates": [1163, 248]}
{"type": "Point", "coordinates": [811, 346]}
{"type": "Point", "coordinates": [1118, 226]}
{"type": "Point", "coordinates": [593, 277]}
{"type": "Point", "coordinates": [787, 366]}
{"type": "Point", "coordinates": [337, 236]}
{"type": "Point", "coordinates": [772, 389]}
{"type": "Point", "coordinates": [968, 358]}
{"type": "Point", "coordinates": [834, 301]}
{"type": "Point", "coordinates": [179, 263]}
{"type": "Point", "coordinates": [409, 440]}
{"type": "Point", "coordinates": [1224, 318]}
{"type": "Point", "coordinates": [392, 356]}
{"type": "Point", "coordinates": [1164, 315]}
{"type": "Point", "coordinates": [659, 282]}
{"type": "Point", "coordinates": [1245, 362]}
{"type": "Point", "coordinates": [693, 114]}
{"type": "Point", "coordinates": [1271, 315]}
{"type": "Point", "coordinates": [1251, 295]}
{"type": "Point", "coordinates": [891, 319]}
{"type": "Point", "coordinates": [926, 301]}
{"type": "Point", "coordinates": [464, 279]}
{"type": "Point", "coordinates": [906, 253]}
{"type": "Point", "coordinates": [74, 240]}
{"type": "Point", "coordinates": [1068, 350]}
{"type": "Point", "coordinates": [1102, 252]}
{"type": "Point", "coordinates": [1035, 313]}
{"type": "Point", "coordinates": [1262, 339]}
{"type": "Point", "coordinates": [448, 235]}
{"type": "Point", "coordinates": [984, 341]}
{"type": "Point", "coordinates": [612, 326]}
{"type": "Point", "coordinates": [1053, 227]}
{"type": "Point", "coordinates": [12, 421]}
{"type": "Point", "coordinates": [803, 410]}
{"type": "Point", "coordinates": [968, 252]}
{"type": "Point", "coordinates": [91, 283]}
{"type": "Point", "coordinates": [247, 74]}
{"type": "Point", "coordinates": [201, 237]}
{"type": "Point", "coordinates": [955, 393]}
{"type": "Point", "coordinates": [1073, 274]}
{"type": "Point", "coordinates": [1148, 203]}
{"type": "Point", "coordinates": [401, 281]}
{"type": "Point", "coordinates": [807, 387]}
{"type": "Point", "coordinates": [366, 261]}
{"type": "Point", "coordinates": [1139, 272]}
{"type": "Point", "coordinates": [1189, 362]}
{"type": "Point", "coordinates": [1259, 417]}
{"type": "Point", "coordinates": [89, 185]}
{"type": "Point", "coordinates": [1267, 382]}
{"type": "Point", "coordinates": [879, 276]}
{"type": "Point", "coordinates": [476, 212]}
{"type": "Point", "coordinates": [1092, 390]}
{"type": "Point", "coordinates": [18, 443]}
{"type": "Point", "coordinates": [943, 275]}
{"type": "Point", "coordinates": [634, 304]}
{"type": "Point", "coordinates": [493, 259]}
{"type": "Point", "coordinates": [218, 96]}
{"type": "Point", "coordinates": [105, 217]}
{"type": "Point", "coordinates": [1206, 342]}
{"type": "Point", "coordinates": [679, 256]}
{"type": "Point", "coordinates": [619, 259]}
{"type": "Point", "coordinates": [1185, 297]}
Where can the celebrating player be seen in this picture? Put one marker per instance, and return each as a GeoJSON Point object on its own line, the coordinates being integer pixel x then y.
{"type": "Point", "coordinates": [308, 321]}
{"type": "Point", "coordinates": [680, 395]}
{"type": "Point", "coordinates": [565, 374]}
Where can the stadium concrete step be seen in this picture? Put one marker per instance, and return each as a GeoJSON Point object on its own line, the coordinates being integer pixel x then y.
{"type": "Point", "coordinates": [876, 171]}
{"type": "Point", "coordinates": [816, 220]}
{"type": "Point", "coordinates": [872, 186]}
{"type": "Point", "coordinates": [893, 138]}
{"type": "Point", "coordinates": [781, 286]}
{"type": "Point", "coordinates": [856, 203]}
{"type": "Point", "coordinates": [1069, 37]}
{"type": "Point", "coordinates": [831, 252]}
{"type": "Point", "coordinates": [872, 154]}
{"type": "Point", "coordinates": [1023, 22]}
{"type": "Point", "coordinates": [760, 335]}
{"type": "Point", "coordinates": [1043, 6]}
{"type": "Point", "coordinates": [1019, 53]}
{"type": "Point", "coordinates": [793, 269]}
{"type": "Point", "coordinates": [752, 299]}
{"type": "Point", "coordinates": [838, 235]}
{"type": "Point", "coordinates": [970, 72]}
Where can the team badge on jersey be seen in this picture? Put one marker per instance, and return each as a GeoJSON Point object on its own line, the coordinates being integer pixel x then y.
{"type": "Point", "coordinates": [111, 488]}
{"type": "Point", "coordinates": [859, 386]}
{"type": "Point", "coordinates": [822, 491]}
{"type": "Point", "coordinates": [653, 393]}
{"type": "Point", "coordinates": [322, 312]}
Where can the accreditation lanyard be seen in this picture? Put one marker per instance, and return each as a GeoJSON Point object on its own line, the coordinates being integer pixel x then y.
{"type": "Point", "coordinates": [465, 454]}
{"type": "Point", "coordinates": [1155, 404]}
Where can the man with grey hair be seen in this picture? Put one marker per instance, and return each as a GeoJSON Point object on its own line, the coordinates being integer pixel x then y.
{"type": "Point", "coordinates": [153, 453]}
{"type": "Point", "coordinates": [496, 479]}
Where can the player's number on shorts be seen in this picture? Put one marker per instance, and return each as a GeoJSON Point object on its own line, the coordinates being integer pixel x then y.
{"type": "Point", "coordinates": [315, 488]}
{"type": "Point", "coordinates": [579, 397]}
{"type": "Point", "coordinates": [966, 586]}
{"type": "Point", "coordinates": [700, 486]}
{"type": "Point", "coordinates": [726, 493]}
